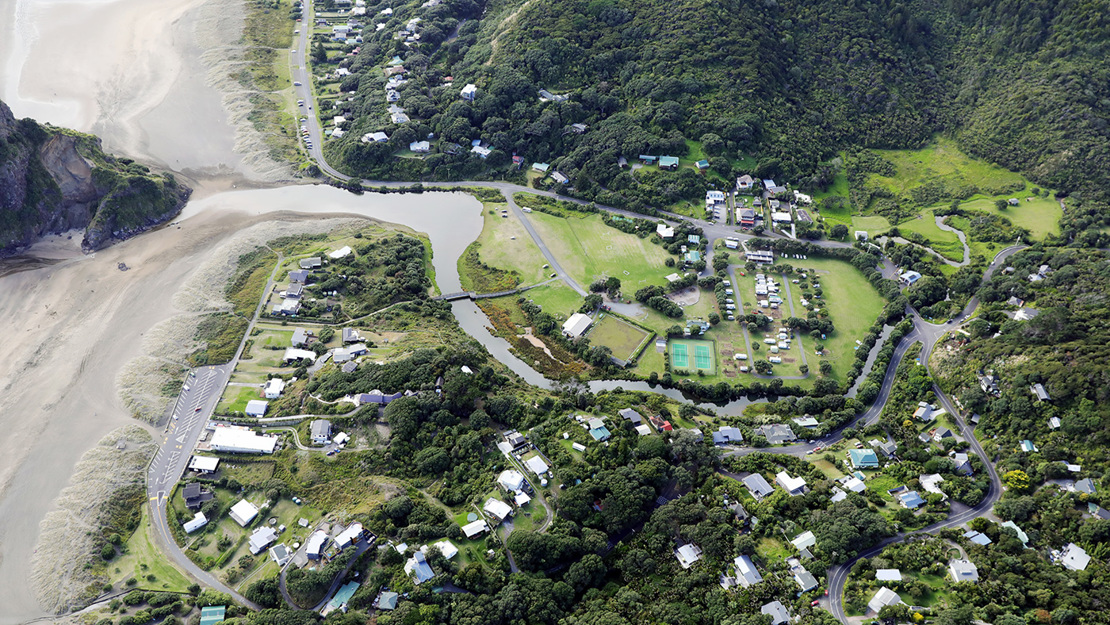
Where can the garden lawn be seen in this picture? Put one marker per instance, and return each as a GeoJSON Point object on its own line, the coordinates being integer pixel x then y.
{"type": "Point", "coordinates": [880, 484]}
{"type": "Point", "coordinates": [556, 299]}
{"type": "Point", "coordinates": [235, 399]}
{"type": "Point", "coordinates": [872, 224]}
{"type": "Point", "coordinates": [828, 468]}
{"type": "Point", "coordinates": [588, 249]}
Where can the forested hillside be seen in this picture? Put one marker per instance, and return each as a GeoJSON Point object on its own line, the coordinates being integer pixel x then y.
{"type": "Point", "coordinates": [772, 88]}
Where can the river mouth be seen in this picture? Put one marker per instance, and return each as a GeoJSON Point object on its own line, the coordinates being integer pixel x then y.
{"type": "Point", "coordinates": [131, 71]}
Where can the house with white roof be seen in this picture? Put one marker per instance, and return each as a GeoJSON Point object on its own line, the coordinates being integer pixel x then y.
{"type": "Point", "coordinates": [273, 388]}
{"type": "Point", "coordinates": [963, 571]}
{"type": "Point", "coordinates": [757, 486]}
{"type": "Point", "coordinates": [792, 485]}
{"type": "Point", "coordinates": [256, 408]}
{"type": "Point", "coordinates": [349, 536]}
{"type": "Point", "coordinates": [1073, 557]}
{"type": "Point", "coordinates": [243, 512]}
{"type": "Point", "coordinates": [510, 480]}
{"type": "Point", "coordinates": [474, 529]}
{"type": "Point", "coordinates": [497, 509]}
{"type": "Point", "coordinates": [447, 548]}
{"type": "Point", "coordinates": [687, 555]}
{"type": "Point", "coordinates": [746, 574]}
{"type": "Point", "coordinates": [777, 611]}
{"type": "Point", "coordinates": [314, 547]}
{"type": "Point", "coordinates": [805, 540]}
{"type": "Point", "coordinates": [888, 575]}
{"type": "Point", "coordinates": [536, 465]}
{"type": "Point", "coordinates": [195, 524]}
{"type": "Point", "coordinates": [241, 440]}
{"type": "Point", "coordinates": [262, 538]}
{"type": "Point", "coordinates": [882, 599]}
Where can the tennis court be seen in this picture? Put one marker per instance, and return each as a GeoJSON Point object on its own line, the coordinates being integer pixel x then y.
{"type": "Point", "coordinates": [693, 355]}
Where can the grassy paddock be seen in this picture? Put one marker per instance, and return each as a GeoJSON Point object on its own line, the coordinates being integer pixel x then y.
{"type": "Point", "coordinates": [623, 338]}
{"type": "Point", "coordinates": [853, 305]}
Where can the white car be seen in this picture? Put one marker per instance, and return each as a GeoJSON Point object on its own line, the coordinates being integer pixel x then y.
{"type": "Point", "coordinates": [296, 83]}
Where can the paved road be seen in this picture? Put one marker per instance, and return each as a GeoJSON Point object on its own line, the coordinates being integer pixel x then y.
{"type": "Point", "coordinates": [551, 260]}
{"type": "Point", "coordinates": [195, 405]}
{"type": "Point", "coordinates": [929, 334]}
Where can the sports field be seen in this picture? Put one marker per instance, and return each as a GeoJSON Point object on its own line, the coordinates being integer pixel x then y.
{"type": "Point", "coordinates": [623, 338]}
{"type": "Point", "coordinates": [688, 355]}
{"type": "Point", "coordinates": [588, 249]}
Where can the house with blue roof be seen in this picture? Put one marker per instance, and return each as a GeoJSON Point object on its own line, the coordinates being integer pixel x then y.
{"type": "Point", "coordinates": [702, 164]}
{"type": "Point", "coordinates": [418, 568]}
{"type": "Point", "coordinates": [911, 500]}
{"type": "Point", "coordinates": [863, 458]}
{"type": "Point", "coordinates": [598, 429]}
{"type": "Point", "coordinates": [1028, 446]}
{"type": "Point", "coordinates": [978, 538]}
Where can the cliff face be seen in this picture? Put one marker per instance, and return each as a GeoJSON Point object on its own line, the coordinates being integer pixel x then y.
{"type": "Point", "coordinates": [53, 180]}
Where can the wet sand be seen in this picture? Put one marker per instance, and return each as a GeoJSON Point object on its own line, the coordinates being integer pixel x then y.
{"type": "Point", "coordinates": [128, 70]}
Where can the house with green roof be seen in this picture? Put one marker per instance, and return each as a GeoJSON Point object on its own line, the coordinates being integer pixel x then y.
{"type": "Point", "coordinates": [212, 614]}
{"type": "Point", "coordinates": [702, 164]}
{"type": "Point", "coordinates": [342, 596]}
{"type": "Point", "coordinates": [668, 162]}
{"type": "Point", "coordinates": [863, 458]}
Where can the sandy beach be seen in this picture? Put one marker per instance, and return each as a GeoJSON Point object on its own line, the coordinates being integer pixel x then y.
{"type": "Point", "coordinates": [130, 71]}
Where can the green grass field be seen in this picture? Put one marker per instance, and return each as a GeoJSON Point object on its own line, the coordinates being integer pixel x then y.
{"type": "Point", "coordinates": [1040, 215]}
{"type": "Point", "coordinates": [692, 355]}
{"type": "Point", "coordinates": [873, 224]}
{"type": "Point", "coordinates": [945, 243]}
{"type": "Point", "coordinates": [623, 338]}
{"type": "Point", "coordinates": [853, 305]}
{"type": "Point", "coordinates": [235, 399]}
{"type": "Point", "coordinates": [942, 161]}
{"type": "Point", "coordinates": [556, 299]}
{"type": "Point", "coordinates": [142, 557]}
{"type": "Point", "coordinates": [505, 244]}
{"type": "Point", "coordinates": [588, 249]}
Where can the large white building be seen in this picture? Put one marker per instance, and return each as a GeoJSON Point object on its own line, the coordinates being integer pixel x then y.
{"type": "Point", "coordinates": [577, 325]}
{"type": "Point", "coordinates": [240, 440]}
